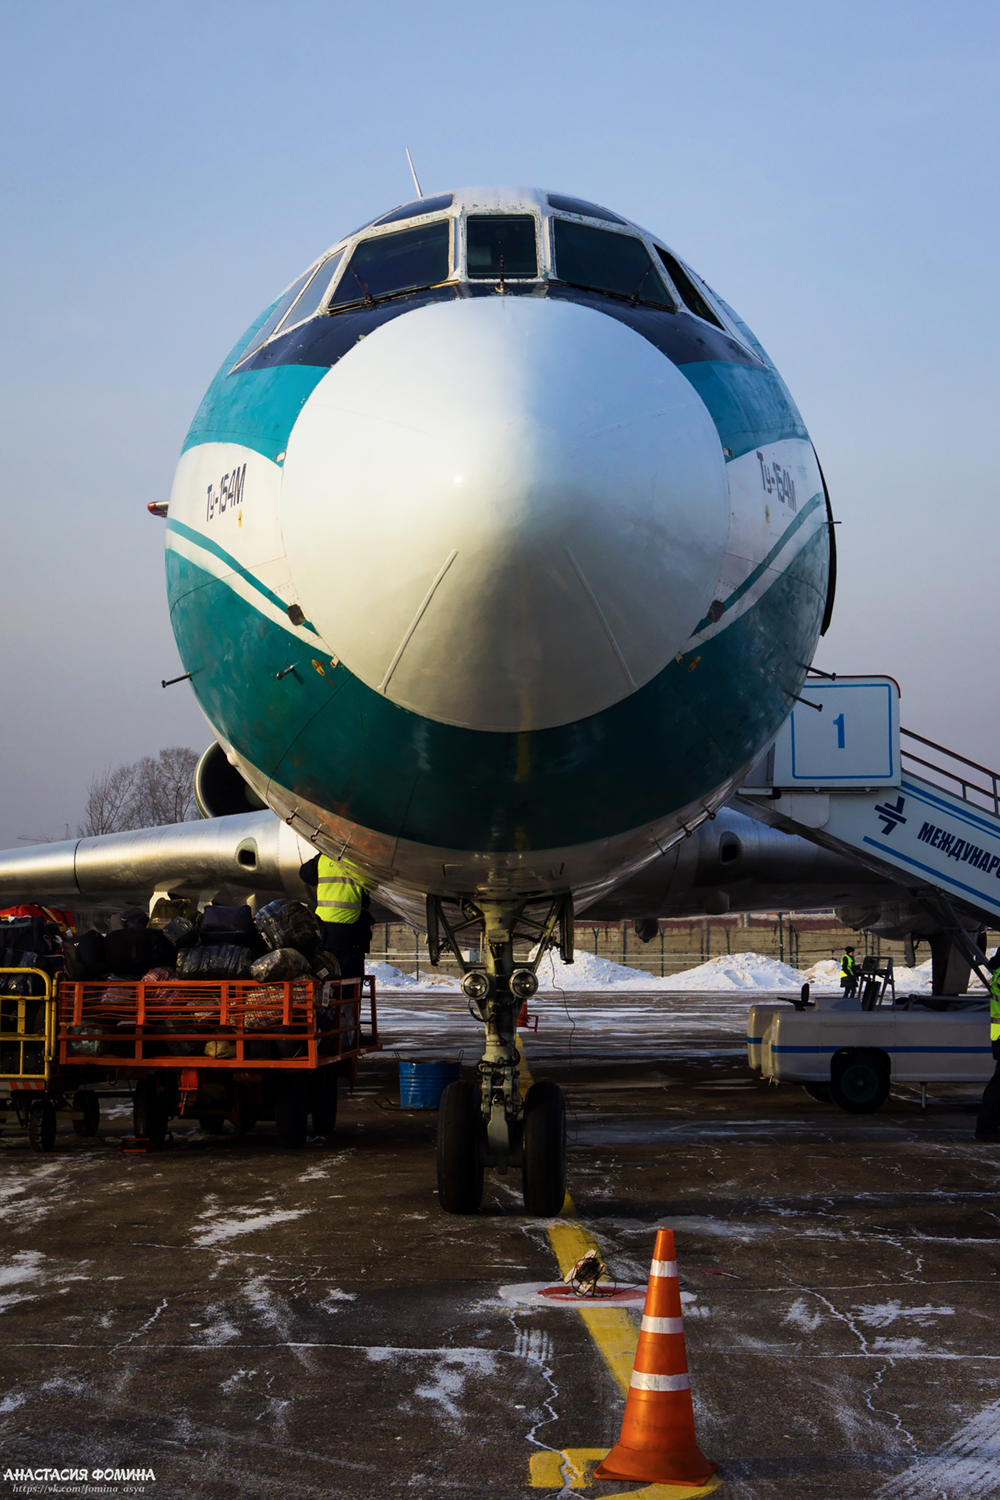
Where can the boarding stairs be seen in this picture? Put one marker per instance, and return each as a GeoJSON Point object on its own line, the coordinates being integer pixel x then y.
{"type": "Point", "coordinates": [844, 774]}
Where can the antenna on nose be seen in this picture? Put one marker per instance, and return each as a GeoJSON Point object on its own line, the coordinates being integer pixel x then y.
{"type": "Point", "coordinates": [416, 184]}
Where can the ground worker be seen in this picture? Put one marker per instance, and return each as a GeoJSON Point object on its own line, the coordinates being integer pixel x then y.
{"type": "Point", "coordinates": [988, 1122]}
{"type": "Point", "coordinates": [342, 904]}
{"type": "Point", "coordinates": [848, 974]}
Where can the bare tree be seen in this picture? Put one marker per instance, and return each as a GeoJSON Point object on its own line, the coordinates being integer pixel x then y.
{"type": "Point", "coordinates": [150, 793]}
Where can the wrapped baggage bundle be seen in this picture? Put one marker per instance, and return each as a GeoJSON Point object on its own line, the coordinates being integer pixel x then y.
{"type": "Point", "coordinates": [167, 910]}
{"type": "Point", "coordinates": [84, 955]}
{"type": "Point", "coordinates": [160, 975]}
{"type": "Point", "coordinates": [290, 924]}
{"type": "Point", "coordinates": [226, 961]}
{"type": "Point", "coordinates": [231, 926]}
{"type": "Point", "coordinates": [283, 963]}
{"type": "Point", "coordinates": [181, 931]}
{"type": "Point", "coordinates": [87, 1042]}
{"type": "Point", "coordinates": [130, 952]}
{"type": "Point", "coordinates": [326, 965]}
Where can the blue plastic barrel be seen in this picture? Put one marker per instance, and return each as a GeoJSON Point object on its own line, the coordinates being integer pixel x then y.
{"type": "Point", "coordinates": [421, 1084]}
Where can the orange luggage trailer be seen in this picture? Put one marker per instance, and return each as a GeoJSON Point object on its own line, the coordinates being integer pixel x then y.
{"type": "Point", "coordinates": [220, 1050]}
{"type": "Point", "coordinates": [225, 1025]}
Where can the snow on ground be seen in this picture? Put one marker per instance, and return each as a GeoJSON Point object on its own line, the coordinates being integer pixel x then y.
{"type": "Point", "coordinates": [728, 972]}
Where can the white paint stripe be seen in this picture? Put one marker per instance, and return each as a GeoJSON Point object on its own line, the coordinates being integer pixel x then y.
{"type": "Point", "coordinates": [663, 1268]}
{"type": "Point", "coordinates": [603, 620]}
{"type": "Point", "coordinates": [384, 684]}
{"type": "Point", "coordinates": [662, 1325]}
{"type": "Point", "coordinates": [643, 1382]}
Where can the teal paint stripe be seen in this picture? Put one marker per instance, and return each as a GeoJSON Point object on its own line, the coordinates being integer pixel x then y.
{"type": "Point", "coordinates": [255, 408]}
{"type": "Point", "coordinates": [208, 545]}
{"type": "Point", "coordinates": [762, 567]}
{"type": "Point", "coordinates": [750, 406]}
{"type": "Point", "coordinates": [337, 743]}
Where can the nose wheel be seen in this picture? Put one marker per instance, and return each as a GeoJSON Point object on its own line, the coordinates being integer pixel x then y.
{"type": "Point", "coordinates": [486, 1125]}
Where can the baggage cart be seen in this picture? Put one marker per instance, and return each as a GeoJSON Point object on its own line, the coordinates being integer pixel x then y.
{"type": "Point", "coordinates": [33, 1090]}
{"type": "Point", "coordinates": [220, 1050]}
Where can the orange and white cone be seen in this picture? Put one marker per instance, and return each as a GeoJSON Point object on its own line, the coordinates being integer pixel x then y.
{"type": "Point", "coordinates": [657, 1442]}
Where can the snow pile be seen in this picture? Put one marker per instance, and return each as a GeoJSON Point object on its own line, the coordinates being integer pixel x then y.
{"type": "Point", "coordinates": [735, 971]}
{"type": "Point", "coordinates": [825, 975]}
{"type": "Point", "coordinates": [729, 972]}
{"type": "Point", "coordinates": [388, 977]}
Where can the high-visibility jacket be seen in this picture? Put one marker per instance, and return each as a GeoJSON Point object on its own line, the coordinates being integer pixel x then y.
{"type": "Point", "coordinates": [995, 1005]}
{"type": "Point", "coordinates": [338, 897]}
{"type": "Point", "coordinates": [848, 967]}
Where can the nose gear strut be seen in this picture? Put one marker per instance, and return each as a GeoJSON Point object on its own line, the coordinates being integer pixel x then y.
{"type": "Point", "coordinates": [502, 1132]}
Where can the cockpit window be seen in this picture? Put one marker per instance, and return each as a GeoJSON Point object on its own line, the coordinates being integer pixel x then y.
{"type": "Point", "coordinates": [267, 328]}
{"type": "Point", "coordinates": [314, 292]}
{"type": "Point", "coordinates": [420, 206]}
{"type": "Point", "coordinates": [606, 262]}
{"type": "Point", "coordinates": [395, 263]}
{"type": "Point", "coordinates": [690, 295]}
{"type": "Point", "coordinates": [499, 245]}
{"type": "Point", "coordinates": [581, 206]}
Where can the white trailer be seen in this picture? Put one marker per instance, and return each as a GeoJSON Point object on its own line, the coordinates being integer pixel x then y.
{"type": "Point", "coordinates": [852, 1057]}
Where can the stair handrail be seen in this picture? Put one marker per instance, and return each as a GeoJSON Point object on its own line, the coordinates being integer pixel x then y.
{"type": "Point", "coordinates": [992, 792]}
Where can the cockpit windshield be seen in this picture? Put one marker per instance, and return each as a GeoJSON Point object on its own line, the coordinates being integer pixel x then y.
{"type": "Point", "coordinates": [690, 295]}
{"type": "Point", "coordinates": [270, 324]}
{"type": "Point", "coordinates": [314, 292]}
{"type": "Point", "coordinates": [418, 206]}
{"type": "Point", "coordinates": [395, 263]}
{"type": "Point", "coordinates": [501, 245]}
{"type": "Point", "coordinates": [605, 262]}
{"type": "Point", "coordinates": [581, 206]}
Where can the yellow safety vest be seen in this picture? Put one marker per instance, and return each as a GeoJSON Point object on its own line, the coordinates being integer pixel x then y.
{"type": "Point", "coordinates": [338, 897]}
{"type": "Point", "coordinates": [848, 966]}
{"type": "Point", "coordinates": [995, 1006]}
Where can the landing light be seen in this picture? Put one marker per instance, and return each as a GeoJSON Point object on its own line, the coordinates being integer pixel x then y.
{"type": "Point", "coordinates": [523, 984]}
{"type": "Point", "coordinates": [475, 985]}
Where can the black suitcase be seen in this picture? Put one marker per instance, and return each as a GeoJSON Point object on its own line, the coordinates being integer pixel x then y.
{"type": "Point", "coordinates": [133, 951]}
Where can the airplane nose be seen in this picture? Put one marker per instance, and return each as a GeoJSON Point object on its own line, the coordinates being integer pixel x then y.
{"type": "Point", "coordinates": [505, 512]}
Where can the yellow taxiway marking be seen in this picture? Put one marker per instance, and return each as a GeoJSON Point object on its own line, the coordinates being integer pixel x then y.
{"type": "Point", "coordinates": [573, 1470]}
{"type": "Point", "coordinates": [616, 1335]}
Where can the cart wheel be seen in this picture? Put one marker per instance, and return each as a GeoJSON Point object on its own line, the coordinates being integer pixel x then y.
{"type": "Point", "coordinates": [149, 1113]}
{"type": "Point", "coordinates": [323, 1101]}
{"type": "Point", "coordinates": [244, 1116]}
{"type": "Point", "coordinates": [212, 1124]}
{"type": "Point", "coordinates": [544, 1164]}
{"type": "Point", "coordinates": [291, 1109]}
{"type": "Point", "coordinates": [820, 1091]}
{"type": "Point", "coordinates": [459, 1169]}
{"type": "Point", "coordinates": [41, 1125]}
{"type": "Point", "coordinates": [88, 1101]}
{"type": "Point", "coordinates": [859, 1082]}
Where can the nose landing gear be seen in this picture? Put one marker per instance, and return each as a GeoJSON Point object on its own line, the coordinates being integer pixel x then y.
{"type": "Point", "coordinates": [489, 1126]}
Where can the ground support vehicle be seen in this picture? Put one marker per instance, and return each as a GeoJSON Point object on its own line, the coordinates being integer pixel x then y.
{"type": "Point", "coordinates": [220, 1050]}
{"type": "Point", "coordinates": [34, 1091]}
{"type": "Point", "coordinates": [852, 1057]}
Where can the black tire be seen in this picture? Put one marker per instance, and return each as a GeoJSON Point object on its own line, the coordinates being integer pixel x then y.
{"type": "Point", "coordinates": [859, 1082]}
{"type": "Point", "coordinates": [819, 1091]}
{"type": "Point", "coordinates": [244, 1116]}
{"type": "Point", "coordinates": [41, 1125]}
{"type": "Point", "coordinates": [323, 1101]}
{"type": "Point", "coordinates": [150, 1116]}
{"type": "Point", "coordinates": [459, 1166]}
{"type": "Point", "coordinates": [544, 1165]}
{"type": "Point", "coordinates": [291, 1112]}
{"type": "Point", "coordinates": [212, 1124]}
{"type": "Point", "coordinates": [88, 1101]}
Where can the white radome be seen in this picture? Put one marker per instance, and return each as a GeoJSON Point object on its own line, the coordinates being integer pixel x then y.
{"type": "Point", "coordinates": [505, 513]}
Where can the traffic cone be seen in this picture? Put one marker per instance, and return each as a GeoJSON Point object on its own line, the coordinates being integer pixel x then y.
{"type": "Point", "coordinates": [657, 1442]}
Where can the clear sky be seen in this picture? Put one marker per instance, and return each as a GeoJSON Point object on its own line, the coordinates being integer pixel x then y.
{"type": "Point", "coordinates": [831, 168]}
